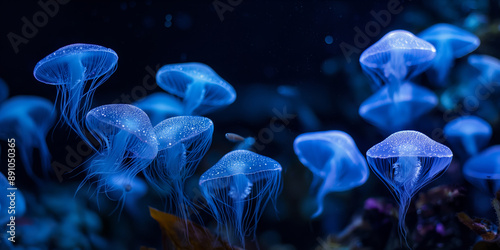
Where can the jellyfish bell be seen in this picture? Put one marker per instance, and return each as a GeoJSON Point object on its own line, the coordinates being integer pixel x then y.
{"type": "Point", "coordinates": [237, 189]}
{"type": "Point", "coordinates": [468, 134]}
{"type": "Point", "coordinates": [395, 58]}
{"type": "Point", "coordinates": [77, 70]}
{"type": "Point", "coordinates": [450, 42]}
{"type": "Point", "coordinates": [405, 162]}
{"type": "Point", "coordinates": [28, 119]}
{"type": "Point", "coordinates": [393, 114]}
{"type": "Point", "coordinates": [160, 106]}
{"type": "Point", "coordinates": [127, 190]}
{"type": "Point", "coordinates": [488, 66]}
{"type": "Point", "coordinates": [201, 89]}
{"type": "Point", "coordinates": [333, 157]}
{"type": "Point", "coordinates": [483, 170]}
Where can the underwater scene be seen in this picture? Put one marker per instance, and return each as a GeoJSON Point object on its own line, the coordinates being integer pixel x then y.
{"type": "Point", "coordinates": [237, 124]}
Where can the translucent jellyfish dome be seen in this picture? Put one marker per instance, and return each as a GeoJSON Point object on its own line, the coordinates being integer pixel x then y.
{"type": "Point", "coordinates": [396, 57]}
{"type": "Point", "coordinates": [391, 114]}
{"type": "Point", "coordinates": [160, 106]}
{"type": "Point", "coordinates": [450, 42]}
{"type": "Point", "coordinates": [237, 189]}
{"type": "Point", "coordinates": [4, 90]}
{"type": "Point", "coordinates": [488, 66]}
{"type": "Point", "coordinates": [334, 158]}
{"type": "Point", "coordinates": [483, 170]}
{"type": "Point", "coordinates": [468, 134]}
{"type": "Point", "coordinates": [128, 143]}
{"type": "Point", "coordinates": [77, 70]}
{"type": "Point", "coordinates": [28, 119]}
{"type": "Point", "coordinates": [405, 162]}
{"type": "Point", "coordinates": [201, 89]}
{"type": "Point", "coordinates": [127, 190]}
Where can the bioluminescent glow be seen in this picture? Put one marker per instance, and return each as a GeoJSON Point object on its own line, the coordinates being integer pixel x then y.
{"type": "Point", "coordinates": [468, 134]}
{"type": "Point", "coordinates": [483, 170]}
{"type": "Point", "coordinates": [160, 106]}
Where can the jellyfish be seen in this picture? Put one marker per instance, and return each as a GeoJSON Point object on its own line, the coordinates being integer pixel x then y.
{"type": "Point", "coordinates": [127, 190]}
{"type": "Point", "coordinates": [468, 133]}
{"type": "Point", "coordinates": [201, 89]}
{"type": "Point", "coordinates": [483, 170]}
{"type": "Point", "coordinates": [160, 106]}
{"type": "Point", "coordinates": [395, 58]}
{"type": "Point", "coordinates": [242, 143]}
{"type": "Point", "coordinates": [450, 42]}
{"type": "Point", "coordinates": [27, 120]}
{"type": "Point", "coordinates": [237, 189]}
{"type": "Point", "coordinates": [334, 158]}
{"type": "Point", "coordinates": [7, 193]}
{"type": "Point", "coordinates": [183, 141]}
{"type": "Point", "coordinates": [127, 144]}
{"type": "Point", "coordinates": [390, 115]}
{"type": "Point", "coordinates": [77, 70]}
{"type": "Point", "coordinates": [405, 162]}
{"type": "Point", "coordinates": [488, 66]}
{"type": "Point", "coordinates": [4, 90]}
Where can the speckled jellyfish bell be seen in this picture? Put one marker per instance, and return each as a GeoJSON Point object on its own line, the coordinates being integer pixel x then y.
{"type": "Point", "coordinates": [483, 170]}
{"type": "Point", "coordinates": [395, 58]}
{"type": "Point", "coordinates": [160, 106]}
{"type": "Point", "coordinates": [468, 134]}
{"type": "Point", "coordinates": [488, 66]}
{"type": "Point", "coordinates": [333, 157]}
{"type": "Point", "coordinates": [28, 119]}
{"type": "Point", "coordinates": [450, 42]}
{"type": "Point", "coordinates": [405, 162]}
{"type": "Point", "coordinates": [77, 70]}
{"type": "Point", "coordinates": [237, 189]}
{"type": "Point", "coordinates": [390, 115]}
{"type": "Point", "coordinates": [128, 143]}
{"type": "Point", "coordinates": [201, 89]}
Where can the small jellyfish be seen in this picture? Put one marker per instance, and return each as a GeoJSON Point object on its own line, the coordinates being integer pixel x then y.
{"type": "Point", "coordinates": [183, 141]}
{"type": "Point", "coordinates": [395, 58]}
{"type": "Point", "coordinates": [242, 143]}
{"type": "Point", "coordinates": [468, 133]}
{"type": "Point", "coordinates": [334, 158]}
{"type": "Point", "coordinates": [160, 106]}
{"type": "Point", "coordinates": [390, 115]}
{"type": "Point", "coordinates": [450, 42]}
{"type": "Point", "coordinates": [4, 90]}
{"type": "Point", "coordinates": [405, 162]}
{"type": "Point", "coordinates": [127, 190]}
{"type": "Point", "coordinates": [488, 66]}
{"type": "Point", "coordinates": [27, 120]}
{"type": "Point", "coordinates": [8, 192]}
{"type": "Point", "coordinates": [77, 70]}
{"type": "Point", "coordinates": [483, 170]}
{"type": "Point", "coordinates": [127, 140]}
{"type": "Point", "coordinates": [237, 189]}
{"type": "Point", "coordinates": [201, 89]}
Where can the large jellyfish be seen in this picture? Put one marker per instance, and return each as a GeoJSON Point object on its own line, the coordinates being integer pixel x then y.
{"type": "Point", "coordinates": [468, 134]}
{"type": "Point", "coordinates": [390, 115]}
{"type": "Point", "coordinates": [128, 144]}
{"type": "Point", "coordinates": [77, 70]}
{"type": "Point", "coordinates": [237, 189]}
{"type": "Point", "coordinates": [160, 106]}
{"type": "Point", "coordinates": [405, 162]}
{"type": "Point", "coordinates": [450, 42]}
{"type": "Point", "coordinates": [4, 90]}
{"type": "Point", "coordinates": [334, 158]}
{"type": "Point", "coordinates": [27, 120]}
{"type": "Point", "coordinates": [395, 58]}
{"type": "Point", "coordinates": [183, 141]}
{"type": "Point", "coordinates": [201, 89]}
{"type": "Point", "coordinates": [483, 170]}
{"type": "Point", "coordinates": [488, 66]}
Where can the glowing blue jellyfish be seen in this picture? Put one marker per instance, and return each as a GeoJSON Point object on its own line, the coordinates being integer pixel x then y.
{"type": "Point", "coordinates": [160, 106]}
{"type": "Point", "coordinates": [4, 90]}
{"type": "Point", "coordinates": [183, 141]}
{"type": "Point", "coordinates": [242, 143]}
{"type": "Point", "coordinates": [395, 58]}
{"type": "Point", "coordinates": [450, 42]}
{"type": "Point", "coordinates": [77, 70]}
{"type": "Point", "coordinates": [468, 133]}
{"type": "Point", "coordinates": [128, 144]}
{"type": "Point", "coordinates": [237, 189]}
{"type": "Point", "coordinates": [127, 190]}
{"type": "Point", "coordinates": [390, 115]}
{"type": "Point", "coordinates": [406, 161]}
{"type": "Point", "coordinates": [334, 158]}
{"type": "Point", "coordinates": [5, 199]}
{"type": "Point", "coordinates": [483, 170]}
{"type": "Point", "coordinates": [27, 119]}
{"type": "Point", "coordinates": [488, 66]}
{"type": "Point", "coordinates": [201, 89]}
